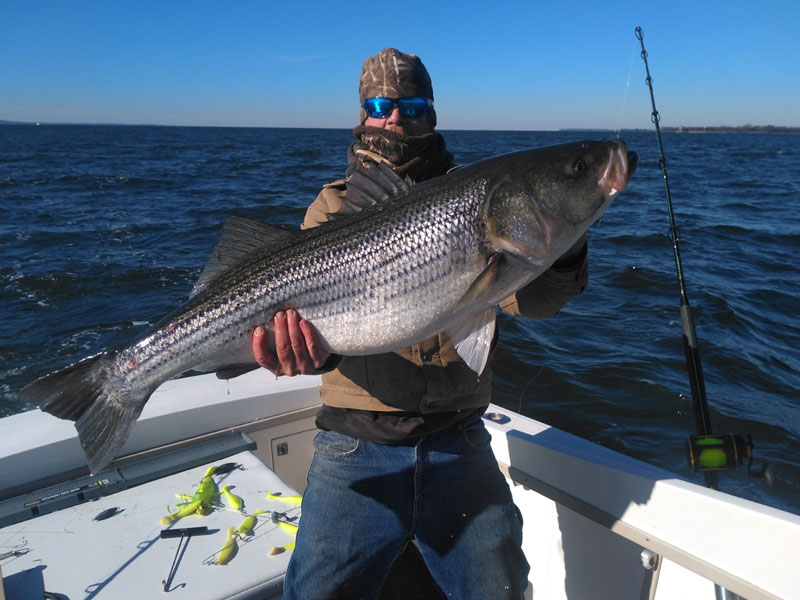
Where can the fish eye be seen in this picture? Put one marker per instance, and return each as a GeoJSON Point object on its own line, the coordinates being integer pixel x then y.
{"type": "Point", "coordinates": [579, 166]}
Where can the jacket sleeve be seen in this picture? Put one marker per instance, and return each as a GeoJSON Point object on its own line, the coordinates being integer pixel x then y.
{"type": "Point", "coordinates": [328, 201]}
{"type": "Point", "coordinates": [545, 295]}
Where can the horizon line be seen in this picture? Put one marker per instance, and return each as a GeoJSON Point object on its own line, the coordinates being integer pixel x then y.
{"type": "Point", "coordinates": [670, 128]}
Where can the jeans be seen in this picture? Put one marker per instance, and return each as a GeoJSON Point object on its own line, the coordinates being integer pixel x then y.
{"type": "Point", "coordinates": [365, 501]}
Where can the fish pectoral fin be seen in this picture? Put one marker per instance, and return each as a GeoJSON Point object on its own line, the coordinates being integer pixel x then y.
{"type": "Point", "coordinates": [239, 239]}
{"type": "Point", "coordinates": [473, 339]}
{"type": "Point", "coordinates": [481, 288]}
{"type": "Point", "coordinates": [231, 371]}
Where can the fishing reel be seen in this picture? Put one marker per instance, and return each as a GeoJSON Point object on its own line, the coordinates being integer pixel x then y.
{"type": "Point", "coordinates": [725, 452]}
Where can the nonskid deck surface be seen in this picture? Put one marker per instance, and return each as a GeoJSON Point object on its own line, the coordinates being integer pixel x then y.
{"type": "Point", "coordinates": [77, 553]}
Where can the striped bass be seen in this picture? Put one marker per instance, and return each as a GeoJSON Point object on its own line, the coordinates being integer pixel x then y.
{"type": "Point", "coordinates": [406, 262]}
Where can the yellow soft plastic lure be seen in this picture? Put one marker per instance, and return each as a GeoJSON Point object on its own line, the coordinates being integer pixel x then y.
{"type": "Point", "coordinates": [202, 496]}
{"type": "Point", "coordinates": [234, 501]}
{"type": "Point", "coordinates": [246, 528]}
{"type": "Point", "coordinates": [281, 549]}
{"type": "Point", "coordinates": [200, 502]}
{"type": "Point", "coordinates": [288, 527]}
{"type": "Point", "coordinates": [207, 488]}
{"type": "Point", "coordinates": [192, 508]}
{"type": "Point", "coordinates": [287, 499]}
{"type": "Point", "coordinates": [229, 549]}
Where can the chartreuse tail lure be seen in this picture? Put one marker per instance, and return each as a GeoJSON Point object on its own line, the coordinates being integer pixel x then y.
{"type": "Point", "coordinates": [288, 499]}
{"type": "Point", "coordinates": [288, 527]}
{"type": "Point", "coordinates": [246, 528]}
{"type": "Point", "coordinates": [229, 549]}
{"type": "Point", "coordinates": [192, 508]}
{"type": "Point", "coordinates": [281, 549]}
{"type": "Point", "coordinates": [207, 488]}
{"type": "Point", "coordinates": [199, 503]}
{"type": "Point", "coordinates": [234, 501]}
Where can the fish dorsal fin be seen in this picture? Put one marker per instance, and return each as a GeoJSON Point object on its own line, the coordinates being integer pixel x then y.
{"type": "Point", "coordinates": [372, 187]}
{"type": "Point", "coordinates": [240, 238]}
{"type": "Point", "coordinates": [473, 338]}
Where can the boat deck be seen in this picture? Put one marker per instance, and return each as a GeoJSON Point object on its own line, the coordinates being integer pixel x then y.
{"type": "Point", "coordinates": [71, 553]}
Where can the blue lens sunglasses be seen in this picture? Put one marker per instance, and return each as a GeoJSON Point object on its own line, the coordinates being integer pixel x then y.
{"type": "Point", "coordinates": [381, 108]}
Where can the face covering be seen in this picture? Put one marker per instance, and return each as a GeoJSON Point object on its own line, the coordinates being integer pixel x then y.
{"type": "Point", "coordinates": [418, 156]}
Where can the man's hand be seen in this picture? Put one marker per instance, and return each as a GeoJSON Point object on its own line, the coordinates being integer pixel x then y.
{"type": "Point", "coordinates": [297, 347]}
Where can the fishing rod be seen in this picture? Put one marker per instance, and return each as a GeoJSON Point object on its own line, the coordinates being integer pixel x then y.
{"type": "Point", "coordinates": [707, 453]}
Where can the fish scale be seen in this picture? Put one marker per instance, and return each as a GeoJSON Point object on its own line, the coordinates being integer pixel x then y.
{"type": "Point", "coordinates": [407, 264]}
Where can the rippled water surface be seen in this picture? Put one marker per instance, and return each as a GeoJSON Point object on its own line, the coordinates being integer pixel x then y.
{"type": "Point", "coordinates": [104, 230]}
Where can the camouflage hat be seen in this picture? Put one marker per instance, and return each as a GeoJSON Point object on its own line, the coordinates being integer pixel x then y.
{"type": "Point", "coordinates": [394, 74]}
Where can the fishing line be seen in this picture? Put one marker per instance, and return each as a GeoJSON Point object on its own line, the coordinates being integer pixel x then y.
{"type": "Point", "coordinates": [625, 98]}
{"type": "Point", "coordinates": [532, 379]}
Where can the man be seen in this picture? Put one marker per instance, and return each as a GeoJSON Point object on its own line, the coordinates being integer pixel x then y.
{"type": "Point", "coordinates": [403, 454]}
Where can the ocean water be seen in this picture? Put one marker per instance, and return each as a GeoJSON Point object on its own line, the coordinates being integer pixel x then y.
{"type": "Point", "coordinates": [104, 229]}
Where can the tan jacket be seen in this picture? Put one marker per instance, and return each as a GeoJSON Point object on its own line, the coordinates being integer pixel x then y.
{"type": "Point", "coordinates": [430, 376]}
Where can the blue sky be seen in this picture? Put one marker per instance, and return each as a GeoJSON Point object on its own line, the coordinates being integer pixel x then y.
{"type": "Point", "coordinates": [540, 64]}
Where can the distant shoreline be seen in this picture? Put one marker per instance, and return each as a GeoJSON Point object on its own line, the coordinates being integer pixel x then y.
{"type": "Point", "coordinates": [711, 129]}
{"type": "Point", "coordinates": [727, 129]}
{"type": "Point", "coordinates": [680, 129]}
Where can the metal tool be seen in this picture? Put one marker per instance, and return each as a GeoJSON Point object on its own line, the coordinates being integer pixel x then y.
{"type": "Point", "coordinates": [182, 533]}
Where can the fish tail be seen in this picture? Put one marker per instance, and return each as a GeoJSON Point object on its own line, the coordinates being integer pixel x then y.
{"type": "Point", "coordinates": [85, 392]}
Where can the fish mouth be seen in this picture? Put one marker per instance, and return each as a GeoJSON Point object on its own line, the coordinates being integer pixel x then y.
{"type": "Point", "coordinates": [621, 166]}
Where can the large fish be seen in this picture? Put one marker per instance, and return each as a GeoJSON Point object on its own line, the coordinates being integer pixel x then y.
{"type": "Point", "coordinates": [407, 262]}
